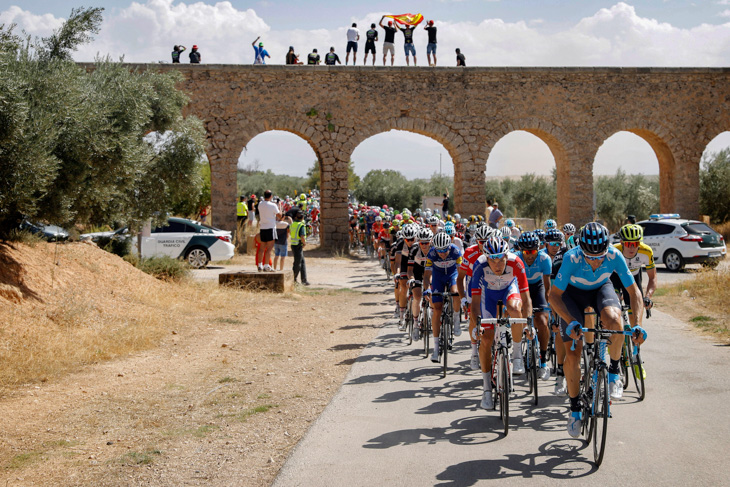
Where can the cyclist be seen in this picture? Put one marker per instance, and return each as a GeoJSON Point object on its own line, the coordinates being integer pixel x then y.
{"type": "Point", "coordinates": [416, 267]}
{"type": "Point", "coordinates": [471, 254]}
{"type": "Point", "coordinates": [550, 224]}
{"type": "Point", "coordinates": [556, 249]}
{"type": "Point", "coordinates": [506, 233]}
{"type": "Point", "coordinates": [384, 240]}
{"type": "Point", "coordinates": [538, 267]}
{"type": "Point", "coordinates": [569, 231]}
{"type": "Point", "coordinates": [514, 228]}
{"type": "Point", "coordinates": [582, 282]}
{"type": "Point", "coordinates": [541, 235]}
{"type": "Point", "coordinates": [498, 275]}
{"type": "Point", "coordinates": [442, 267]}
{"type": "Point", "coordinates": [450, 230]}
{"type": "Point", "coordinates": [637, 255]}
{"type": "Point", "coordinates": [399, 265]}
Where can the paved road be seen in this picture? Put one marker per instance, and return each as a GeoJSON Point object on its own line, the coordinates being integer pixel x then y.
{"type": "Point", "coordinates": [395, 421]}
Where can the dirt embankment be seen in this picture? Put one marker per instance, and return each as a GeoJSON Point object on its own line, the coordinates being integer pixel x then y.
{"type": "Point", "coordinates": [111, 377]}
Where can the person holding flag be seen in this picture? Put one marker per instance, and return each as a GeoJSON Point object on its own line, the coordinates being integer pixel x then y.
{"type": "Point", "coordinates": [409, 21]}
{"type": "Point", "coordinates": [389, 42]}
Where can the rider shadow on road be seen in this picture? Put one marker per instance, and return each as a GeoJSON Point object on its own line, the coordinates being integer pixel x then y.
{"type": "Point", "coordinates": [465, 431]}
{"type": "Point", "coordinates": [557, 459]}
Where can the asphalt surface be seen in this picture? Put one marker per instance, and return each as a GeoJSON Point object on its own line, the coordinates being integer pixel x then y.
{"type": "Point", "coordinates": [395, 421]}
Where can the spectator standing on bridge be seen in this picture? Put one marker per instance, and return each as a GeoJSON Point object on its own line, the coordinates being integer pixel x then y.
{"type": "Point", "coordinates": [371, 37]}
{"type": "Point", "coordinates": [408, 45]}
{"type": "Point", "coordinates": [194, 55]}
{"type": "Point", "coordinates": [298, 240]}
{"type": "Point", "coordinates": [176, 51]}
{"type": "Point", "coordinates": [292, 57]}
{"type": "Point", "coordinates": [260, 54]}
{"type": "Point", "coordinates": [460, 58]}
{"type": "Point", "coordinates": [270, 214]}
{"type": "Point", "coordinates": [495, 216]}
{"type": "Point", "coordinates": [331, 58]}
{"type": "Point", "coordinates": [313, 58]}
{"type": "Point", "coordinates": [431, 46]}
{"type": "Point", "coordinates": [353, 35]}
{"type": "Point", "coordinates": [389, 42]}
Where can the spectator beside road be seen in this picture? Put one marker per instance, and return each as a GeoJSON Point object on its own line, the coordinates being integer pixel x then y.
{"type": "Point", "coordinates": [371, 37]}
{"type": "Point", "coordinates": [269, 214]}
{"type": "Point", "coordinates": [194, 55]}
{"type": "Point", "coordinates": [431, 46]}
{"type": "Point", "coordinates": [330, 59]}
{"type": "Point", "coordinates": [298, 234]}
{"type": "Point", "coordinates": [490, 208]}
{"type": "Point", "coordinates": [313, 58]}
{"type": "Point", "coordinates": [353, 35]}
{"type": "Point", "coordinates": [495, 216]}
{"type": "Point", "coordinates": [176, 51]}
{"type": "Point", "coordinates": [389, 42]}
{"type": "Point", "coordinates": [251, 203]}
{"type": "Point", "coordinates": [292, 57]}
{"type": "Point", "coordinates": [460, 58]}
{"type": "Point", "coordinates": [260, 54]}
{"type": "Point", "coordinates": [408, 45]}
{"type": "Point", "coordinates": [445, 204]}
{"type": "Point", "coordinates": [281, 243]}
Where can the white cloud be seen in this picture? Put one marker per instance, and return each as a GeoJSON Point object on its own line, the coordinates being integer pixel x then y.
{"type": "Point", "coordinates": [40, 25]}
{"type": "Point", "coordinates": [724, 13]}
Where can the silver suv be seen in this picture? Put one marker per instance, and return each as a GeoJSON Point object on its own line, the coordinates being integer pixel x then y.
{"type": "Point", "coordinates": [677, 242]}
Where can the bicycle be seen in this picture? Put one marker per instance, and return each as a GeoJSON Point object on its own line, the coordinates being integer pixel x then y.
{"type": "Point", "coordinates": [446, 337]}
{"type": "Point", "coordinates": [502, 384]}
{"type": "Point", "coordinates": [425, 320]}
{"type": "Point", "coordinates": [552, 355]}
{"type": "Point", "coordinates": [409, 310]}
{"type": "Point", "coordinates": [594, 396]}
{"type": "Point", "coordinates": [531, 355]}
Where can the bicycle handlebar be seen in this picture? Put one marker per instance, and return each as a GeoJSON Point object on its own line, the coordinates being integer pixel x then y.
{"type": "Point", "coordinates": [503, 321]}
{"type": "Point", "coordinates": [602, 331]}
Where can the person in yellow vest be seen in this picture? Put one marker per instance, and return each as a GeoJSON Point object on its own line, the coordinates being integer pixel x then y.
{"type": "Point", "coordinates": [241, 216]}
{"type": "Point", "coordinates": [298, 234]}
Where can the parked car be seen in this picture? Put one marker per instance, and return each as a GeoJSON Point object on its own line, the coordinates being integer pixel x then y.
{"type": "Point", "coordinates": [677, 242]}
{"type": "Point", "coordinates": [95, 236]}
{"type": "Point", "coordinates": [193, 241]}
{"type": "Point", "coordinates": [51, 233]}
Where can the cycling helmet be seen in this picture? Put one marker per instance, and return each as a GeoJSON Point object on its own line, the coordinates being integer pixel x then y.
{"type": "Point", "coordinates": [399, 234]}
{"type": "Point", "coordinates": [569, 228]}
{"type": "Point", "coordinates": [460, 228]}
{"type": "Point", "coordinates": [553, 235]}
{"type": "Point", "coordinates": [631, 233]}
{"type": "Point", "coordinates": [540, 234]}
{"type": "Point", "coordinates": [441, 241]}
{"type": "Point", "coordinates": [449, 228]}
{"type": "Point", "coordinates": [457, 217]}
{"type": "Point", "coordinates": [398, 217]}
{"type": "Point", "coordinates": [409, 231]}
{"type": "Point", "coordinates": [510, 222]}
{"type": "Point", "coordinates": [472, 219]}
{"type": "Point", "coordinates": [495, 245]}
{"type": "Point", "coordinates": [386, 225]}
{"type": "Point", "coordinates": [483, 232]}
{"type": "Point", "coordinates": [506, 233]}
{"type": "Point", "coordinates": [385, 207]}
{"type": "Point", "coordinates": [480, 218]}
{"type": "Point", "coordinates": [425, 235]}
{"type": "Point", "coordinates": [378, 218]}
{"type": "Point", "coordinates": [434, 220]}
{"type": "Point", "coordinates": [528, 241]}
{"type": "Point", "coordinates": [594, 238]}
{"type": "Point", "coordinates": [550, 223]}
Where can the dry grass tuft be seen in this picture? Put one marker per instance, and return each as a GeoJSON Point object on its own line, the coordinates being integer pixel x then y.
{"type": "Point", "coordinates": [724, 230]}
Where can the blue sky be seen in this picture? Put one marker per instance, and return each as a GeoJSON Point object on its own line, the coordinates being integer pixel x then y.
{"type": "Point", "coordinates": [489, 32]}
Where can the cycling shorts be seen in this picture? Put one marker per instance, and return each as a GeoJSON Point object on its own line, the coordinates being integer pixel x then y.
{"type": "Point", "coordinates": [577, 300]}
{"type": "Point", "coordinates": [537, 295]}
{"type": "Point", "coordinates": [442, 283]}
{"type": "Point", "coordinates": [618, 286]}
{"type": "Point", "coordinates": [489, 298]}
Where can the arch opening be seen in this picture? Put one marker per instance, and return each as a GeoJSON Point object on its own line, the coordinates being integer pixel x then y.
{"type": "Point", "coordinates": [633, 175]}
{"type": "Point", "coordinates": [714, 191]}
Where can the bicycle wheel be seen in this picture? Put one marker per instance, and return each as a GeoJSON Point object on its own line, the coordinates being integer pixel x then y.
{"type": "Point", "coordinates": [504, 393]}
{"type": "Point", "coordinates": [409, 323]}
{"type": "Point", "coordinates": [426, 328]}
{"type": "Point", "coordinates": [600, 416]}
{"type": "Point", "coordinates": [534, 366]}
{"type": "Point", "coordinates": [552, 354]}
{"type": "Point", "coordinates": [586, 391]}
{"type": "Point", "coordinates": [637, 370]}
{"type": "Point", "coordinates": [625, 361]}
{"type": "Point", "coordinates": [526, 359]}
{"type": "Point", "coordinates": [445, 330]}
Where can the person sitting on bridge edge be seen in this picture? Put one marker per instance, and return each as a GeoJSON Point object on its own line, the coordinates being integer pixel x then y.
{"type": "Point", "coordinates": [353, 35]}
{"type": "Point", "coordinates": [292, 57]}
{"type": "Point", "coordinates": [313, 58]}
{"type": "Point", "coordinates": [176, 51]}
{"type": "Point", "coordinates": [260, 54]}
{"type": "Point", "coordinates": [330, 59]}
{"type": "Point", "coordinates": [460, 58]}
{"type": "Point", "coordinates": [371, 37]}
{"type": "Point", "coordinates": [194, 55]}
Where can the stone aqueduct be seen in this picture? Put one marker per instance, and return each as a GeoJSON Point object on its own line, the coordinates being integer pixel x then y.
{"type": "Point", "coordinates": [573, 110]}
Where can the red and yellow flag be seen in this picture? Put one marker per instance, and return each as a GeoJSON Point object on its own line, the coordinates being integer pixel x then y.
{"type": "Point", "coordinates": [407, 19]}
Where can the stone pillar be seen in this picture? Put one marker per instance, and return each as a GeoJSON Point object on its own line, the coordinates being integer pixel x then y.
{"type": "Point", "coordinates": [223, 183]}
{"type": "Point", "coordinates": [333, 193]}
{"type": "Point", "coordinates": [575, 193]}
{"type": "Point", "coordinates": [685, 197]}
{"type": "Point", "coordinates": [469, 187]}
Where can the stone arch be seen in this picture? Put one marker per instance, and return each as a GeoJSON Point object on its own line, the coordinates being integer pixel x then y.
{"type": "Point", "coordinates": [454, 143]}
{"type": "Point", "coordinates": [661, 140]}
{"type": "Point", "coordinates": [560, 146]}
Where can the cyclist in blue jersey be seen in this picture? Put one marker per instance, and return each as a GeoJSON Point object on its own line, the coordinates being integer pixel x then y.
{"type": "Point", "coordinates": [582, 282]}
{"type": "Point", "coordinates": [538, 267]}
{"type": "Point", "coordinates": [441, 270]}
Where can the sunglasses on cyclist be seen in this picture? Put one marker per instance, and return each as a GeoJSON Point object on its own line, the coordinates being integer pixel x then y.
{"type": "Point", "coordinates": [441, 252]}
{"type": "Point", "coordinates": [554, 244]}
{"type": "Point", "coordinates": [630, 245]}
{"type": "Point", "coordinates": [409, 239]}
{"type": "Point", "coordinates": [481, 242]}
{"type": "Point", "coordinates": [496, 256]}
{"type": "Point", "coordinates": [594, 257]}
{"type": "Point", "coordinates": [530, 252]}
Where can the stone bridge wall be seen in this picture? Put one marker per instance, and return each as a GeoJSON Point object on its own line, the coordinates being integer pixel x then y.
{"type": "Point", "coordinates": [573, 110]}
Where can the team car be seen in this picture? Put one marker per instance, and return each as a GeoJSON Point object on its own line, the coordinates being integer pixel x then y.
{"type": "Point", "coordinates": [677, 242]}
{"type": "Point", "coordinates": [193, 241]}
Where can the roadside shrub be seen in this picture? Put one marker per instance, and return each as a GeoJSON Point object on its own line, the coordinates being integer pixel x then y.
{"type": "Point", "coordinates": [24, 237]}
{"type": "Point", "coordinates": [165, 268]}
{"type": "Point", "coordinates": [116, 246]}
{"type": "Point", "coordinates": [724, 230]}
